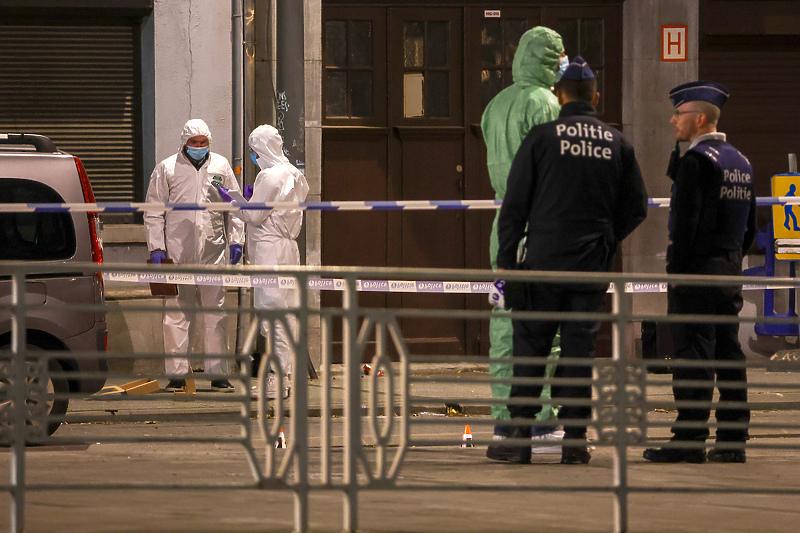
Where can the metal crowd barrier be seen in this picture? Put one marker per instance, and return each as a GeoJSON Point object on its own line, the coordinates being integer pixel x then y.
{"type": "Point", "coordinates": [349, 432]}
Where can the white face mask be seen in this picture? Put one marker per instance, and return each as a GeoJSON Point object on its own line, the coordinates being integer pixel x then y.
{"type": "Point", "coordinates": [563, 63]}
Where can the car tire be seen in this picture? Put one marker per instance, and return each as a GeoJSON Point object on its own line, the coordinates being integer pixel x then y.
{"type": "Point", "coordinates": [56, 407]}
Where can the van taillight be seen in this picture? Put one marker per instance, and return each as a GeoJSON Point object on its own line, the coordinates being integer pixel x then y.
{"type": "Point", "coordinates": [93, 216]}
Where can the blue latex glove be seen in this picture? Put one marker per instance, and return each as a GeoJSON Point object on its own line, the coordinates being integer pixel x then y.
{"type": "Point", "coordinates": [157, 257]}
{"type": "Point", "coordinates": [497, 295]}
{"type": "Point", "coordinates": [223, 193]}
{"type": "Point", "coordinates": [236, 252]}
{"type": "Point", "coordinates": [248, 192]}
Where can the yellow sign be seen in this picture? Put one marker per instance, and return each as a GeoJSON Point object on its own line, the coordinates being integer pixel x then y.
{"type": "Point", "coordinates": [786, 218]}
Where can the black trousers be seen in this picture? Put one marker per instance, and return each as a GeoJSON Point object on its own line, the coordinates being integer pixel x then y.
{"type": "Point", "coordinates": [534, 338]}
{"type": "Point", "coordinates": [709, 342]}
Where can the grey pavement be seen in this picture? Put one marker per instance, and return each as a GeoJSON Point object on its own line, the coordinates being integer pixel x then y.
{"type": "Point", "coordinates": [432, 480]}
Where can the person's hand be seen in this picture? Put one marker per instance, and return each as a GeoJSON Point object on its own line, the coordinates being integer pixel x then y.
{"type": "Point", "coordinates": [223, 193]}
{"type": "Point", "coordinates": [236, 253]}
{"type": "Point", "coordinates": [497, 294]}
{"type": "Point", "coordinates": [248, 192]}
{"type": "Point", "coordinates": [157, 257]}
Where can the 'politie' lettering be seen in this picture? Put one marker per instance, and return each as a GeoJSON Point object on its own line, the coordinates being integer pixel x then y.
{"type": "Point", "coordinates": [731, 190]}
{"type": "Point", "coordinates": [579, 140]}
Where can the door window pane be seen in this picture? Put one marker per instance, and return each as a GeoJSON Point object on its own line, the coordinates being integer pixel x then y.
{"type": "Point", "coordinates": [361, 93]}
{"type": "Point", "coordinates": [426, 58]}
{"type": "Point", "coordinates": [438, 89]}
{"type": "Point", "coordinates": [336, 43]}
{"type": "Point", "coordinates": [499, 42]}
{"type": "Point", "coordinates": [491, 43]}
{"type": "Point", "coordinates": [582, 37]}
{"type": "Point", "coordinates": [413, 91]}
{"type": "Point", "coordinates": [438, 44]}
{"type": "Point", "coordinates": [336, 94]}
{"type": "Point", "coordinates": [598, 74]}
{"type": "Point", "coordinates": [349, 72]}
{"type": "Point", "coordinates": [413, 44]}
{"type": "Point", "coordinates": [568, 29]}
{"type": "Point", "coordinates": [591, 46]}
{"type": "Point", "coordinates": [359, 43]}
{"type": "Point", "coordinates": [491, 84]}
{"type": "Point", "coordinates": [514, 28]}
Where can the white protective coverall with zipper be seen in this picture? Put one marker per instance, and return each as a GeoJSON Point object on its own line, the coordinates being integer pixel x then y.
{"type": "Point", "coordinates": [271, 234]}
{"type": "Point", "coordinates": [193, 238]}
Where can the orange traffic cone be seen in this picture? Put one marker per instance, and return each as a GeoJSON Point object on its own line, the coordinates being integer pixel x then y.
{"type": "Point", "coordinates": [281, 442]}
{"type": "Point", "coordinates": [466, 440]}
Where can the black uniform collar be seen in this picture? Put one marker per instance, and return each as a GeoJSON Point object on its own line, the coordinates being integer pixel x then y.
{"type": "Point", "coordinates": [571, 109]}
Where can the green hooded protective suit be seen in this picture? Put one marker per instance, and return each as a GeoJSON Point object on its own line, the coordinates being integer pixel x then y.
{"type": "Point", "coordinates": [506, 121]}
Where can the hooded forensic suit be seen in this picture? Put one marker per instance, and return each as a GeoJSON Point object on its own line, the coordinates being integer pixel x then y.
{"type": "Point", "coordinates": [192, 238]}
{"type": "Point", "coordinates": [271, 234]}
{"type": "Point", "coordinates": [506, 121]}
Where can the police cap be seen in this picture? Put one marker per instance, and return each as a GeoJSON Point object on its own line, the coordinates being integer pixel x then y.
{"type": "Point", "coordinates": [578, 70]}
{"type": "Point", "coordinates": [693, 91]}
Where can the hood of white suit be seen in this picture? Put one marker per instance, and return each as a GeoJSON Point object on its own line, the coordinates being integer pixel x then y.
{"type": "Point", "coordinates": [267, 143]}
{"type": "Point", "coordinates": [193, 128]}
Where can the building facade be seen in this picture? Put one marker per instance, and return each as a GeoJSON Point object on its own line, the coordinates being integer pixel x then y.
{"type": "Point", "coordinates": [393, 97]}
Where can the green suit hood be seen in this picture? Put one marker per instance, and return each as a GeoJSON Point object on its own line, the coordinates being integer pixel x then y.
{"type": "Point", "coordinates": [526, 103]}
{"type": "Point", "coordinates": [537, 57]}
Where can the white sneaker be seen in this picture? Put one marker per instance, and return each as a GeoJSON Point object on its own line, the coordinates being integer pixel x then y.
{"type": "Point", "coordinates": [547, 443]}
{"type": "Point", "coordinates": [272, 386]}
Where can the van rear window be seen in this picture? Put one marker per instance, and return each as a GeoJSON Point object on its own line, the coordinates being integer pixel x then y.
{"type": "Point", "coordinates": [34, 236]}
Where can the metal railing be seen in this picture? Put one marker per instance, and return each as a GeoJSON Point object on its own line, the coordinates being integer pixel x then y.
{"type": "Point", "coordinates": [383, 417]}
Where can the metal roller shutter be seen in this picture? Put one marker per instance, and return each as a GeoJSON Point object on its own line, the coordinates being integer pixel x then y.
{"type": "Point", "coordinates": [77, 85]}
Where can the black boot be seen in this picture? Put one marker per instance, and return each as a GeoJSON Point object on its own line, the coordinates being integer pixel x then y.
{"type": "Point", "coordinates": [575, 455]}
{"type": "Point", "coordinates": [721, 454]}
{"type": "Point", "coordinates": [675, 455]}
{"type": "Point", "coordinates": [500, 450]}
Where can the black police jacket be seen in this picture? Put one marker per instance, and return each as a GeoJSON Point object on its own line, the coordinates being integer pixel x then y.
{"type": "Point", "coordinates": [576, 184]}
{"type": "Point", "coordinates": [712, 207]}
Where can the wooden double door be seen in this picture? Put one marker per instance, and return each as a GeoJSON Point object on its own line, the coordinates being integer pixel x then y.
{"type": "Point", "coordinates": [403, 93]}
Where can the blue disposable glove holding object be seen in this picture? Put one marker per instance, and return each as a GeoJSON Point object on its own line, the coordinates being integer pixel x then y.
{"type": "Point", "coordinates": [248, 192]}
{"type": "Point", "coordinates": [223, 193]}
{"type": "Point", "coordinates": [497, 294]}
{"type": "Point", "coordinates": [157, 257]}
{"type": "Point", "coordinates": [236, 252]}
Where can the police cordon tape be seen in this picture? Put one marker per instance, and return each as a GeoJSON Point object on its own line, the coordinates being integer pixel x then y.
{"type": "Point", "coordinates": [406, 205]}
{"type": "Point", "coordinates": [333, 284]}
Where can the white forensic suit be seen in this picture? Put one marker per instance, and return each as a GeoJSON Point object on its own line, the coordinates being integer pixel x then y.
{"type": "Point", "coordinates": [192, 238]}
{"type": "Point", "coordinates": [271, 234]}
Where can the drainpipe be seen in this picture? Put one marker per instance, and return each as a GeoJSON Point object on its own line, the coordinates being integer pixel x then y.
{"type": "Point", "coordinates": [290, 78]}
{"type": "Point", "coordinates": [237, 124]}
{"type": "Point", "coordinates": [237, 91]}
{"type": "Point", "coordinates": [249, 171]}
